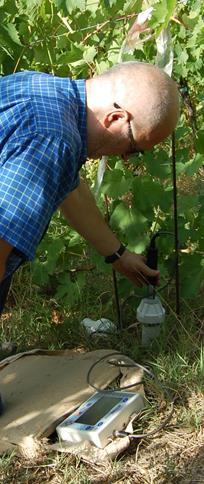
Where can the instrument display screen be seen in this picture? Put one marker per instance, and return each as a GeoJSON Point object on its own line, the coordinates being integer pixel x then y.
{"type": "Point", "coordinates": [98, 410]}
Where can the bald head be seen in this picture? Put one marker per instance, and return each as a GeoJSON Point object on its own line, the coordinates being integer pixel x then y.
{"type": "Point", "coordinates": [144, 92]}
{"type": "Point", "coordinates": [149, 94]}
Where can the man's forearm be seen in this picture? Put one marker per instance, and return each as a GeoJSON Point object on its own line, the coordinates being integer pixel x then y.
{"type": "Point", "coordinates": [81, 211]}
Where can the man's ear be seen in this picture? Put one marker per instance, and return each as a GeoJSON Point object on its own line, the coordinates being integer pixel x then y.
{"type": "Point", "coordinates": [115, 117]}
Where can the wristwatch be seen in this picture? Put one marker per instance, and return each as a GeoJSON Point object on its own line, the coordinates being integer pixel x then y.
{"type": "Point", "coordinates": [109, 259]}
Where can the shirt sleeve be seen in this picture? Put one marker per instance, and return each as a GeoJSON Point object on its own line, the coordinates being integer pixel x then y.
{"type": "Point", "coordinates": [36, 174]}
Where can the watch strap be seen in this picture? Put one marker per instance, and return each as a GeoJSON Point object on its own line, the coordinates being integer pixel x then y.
{"type": "Point", "coordinates": [109, 259]}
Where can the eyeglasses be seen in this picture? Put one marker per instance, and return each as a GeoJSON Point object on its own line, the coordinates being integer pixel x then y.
{"type": "Point", "coordinates": [133, 149]}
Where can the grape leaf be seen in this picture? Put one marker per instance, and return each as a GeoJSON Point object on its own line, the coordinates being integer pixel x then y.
{"type": "Point", "coordinates": [192, 166]}
{"type": "Point", "coordinates": [115, 184]}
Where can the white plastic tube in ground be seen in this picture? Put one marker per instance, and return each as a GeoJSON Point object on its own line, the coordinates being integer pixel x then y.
{"type": "Point", "coordinates": [151, 314]}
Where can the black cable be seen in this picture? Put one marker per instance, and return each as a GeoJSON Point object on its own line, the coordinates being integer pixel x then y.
{"type": "Point", "coordinates": [111, 363]}
{"type": "Point", "coordinates": [149, 373]}
{"type": "Point", "coordinates": [115, 286]}
{"type": "Point", "coordinates": [176, 240]}
{"type": "Point", "coordinates": [157, 234]}
{"type": "Point", "coordinates": [117, 302]}
{"type": "Point", "coordinates": [122, 433]}
{"type": "Point", "coordinates": [152, 258]}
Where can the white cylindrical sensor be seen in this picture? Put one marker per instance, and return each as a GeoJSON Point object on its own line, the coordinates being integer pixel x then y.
{"type": "Point", "coordinates": [151, 314]}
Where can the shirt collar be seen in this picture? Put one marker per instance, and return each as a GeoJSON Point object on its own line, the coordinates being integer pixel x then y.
{"type": "Point", "coordinates": [80, 92]}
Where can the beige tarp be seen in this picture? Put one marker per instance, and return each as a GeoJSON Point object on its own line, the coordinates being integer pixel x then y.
{"type": "Point", "coordinates": [41, 387]}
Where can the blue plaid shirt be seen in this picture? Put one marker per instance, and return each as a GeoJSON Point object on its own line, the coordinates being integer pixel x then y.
{"type": "Point", "coordinates": [43, 146]}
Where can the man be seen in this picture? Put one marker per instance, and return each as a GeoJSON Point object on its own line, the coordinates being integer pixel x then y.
{"type": "Point", "coordinates": [48, 128]}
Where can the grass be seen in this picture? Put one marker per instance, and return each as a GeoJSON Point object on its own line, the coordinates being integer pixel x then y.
{"type": "Point", "coordinates": [34, 319]}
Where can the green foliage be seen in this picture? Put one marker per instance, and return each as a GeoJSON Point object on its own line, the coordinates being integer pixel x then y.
{"type": "Point", "coordinates": [163, 11]}
{"type": "Point", "coordinates": [115, 184]}
{"type": "Point", "coordinates": [192, 274]}
{"type": "Point", "coordinates": [83, 37]}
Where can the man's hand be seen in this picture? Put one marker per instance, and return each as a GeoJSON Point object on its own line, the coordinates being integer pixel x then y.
{"type": "Point", "coordinates": [133, 267]}
{"type": "Point", "coordinates": [82, 213]}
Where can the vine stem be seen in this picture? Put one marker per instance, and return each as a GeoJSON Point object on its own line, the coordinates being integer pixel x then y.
{"type": "Point", "coordinates": [19, 59]}
{"type": "Point", "coordinates": [97, 28]}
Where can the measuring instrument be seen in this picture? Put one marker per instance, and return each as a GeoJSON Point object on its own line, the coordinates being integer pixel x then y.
{"type": "Point", "coordinates": [99, 417]}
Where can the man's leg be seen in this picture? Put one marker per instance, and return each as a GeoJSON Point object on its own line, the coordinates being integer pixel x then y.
{"type": "Point", "coordinates": [1, 405]}
{"type": "Point", "coordinates": [4, 289]}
